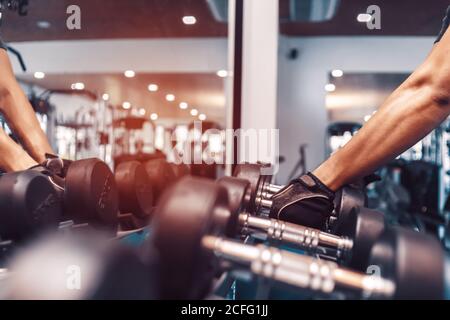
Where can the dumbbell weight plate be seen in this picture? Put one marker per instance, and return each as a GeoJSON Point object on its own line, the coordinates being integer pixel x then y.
{"type": "Point", "coordinates": [364, 226]}
{"type": "Point", "coordinates": [252, 173]}
{"type": "Point", "coordinates": [413, 260]}
{"type": "Point", "coordinates": [238, 198]}
{"type": "Point", "coordinates": [346, 200]}
{"type": "Point", "coordinates": [91, 194]}
{"type": "Point", "coordinates": [28, 204]}
{"type": "Point", "coordinates": [161, 176]}
{"type": "Point", "coordinates": [187, 211]}
{"type": "Point", "coordinates": [135, 190]}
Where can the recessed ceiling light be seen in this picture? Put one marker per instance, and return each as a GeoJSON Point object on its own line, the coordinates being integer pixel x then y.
{"type": "Point", "coordinates": [337, 73]}
{"type": "Point", "coordinates": [77, 86]}
{"type": "Point", "coordinates": [170, 97]}
{"type": "Point", "coordinates": [142, 111]}
{"type": "Point", "coordinates": [39, 75]}
{"type": "Point", "coordinates": [126, 105]}
{"type": "Point", "coordinates": [194, 112]}
{"type": "Point", "coordinates": [183, 105]}
{"type": "Point", "coordinates": [202, 117]}
{"type": "Point", "coordinates": [364, 17]}
{"type": "Point", "coordinates": [129, 73]}
{"type": "Point", "coordinates": [222, 73]}
{"type": "Point", "coordinates": [105, 97]}
{"type": "Point", "coordinates": [154, 116]}
{"type": "Point", "coordinates": [152, 87]}
{"type": "Point", "coordinates": [330, 87]}
{"type": "Point", "coordinates": [189, 20]}
{"type": "Point", "coordinates": [43, 24]}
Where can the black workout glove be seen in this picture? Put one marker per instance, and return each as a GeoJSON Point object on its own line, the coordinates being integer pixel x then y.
{"type": "Point", "coordinates": [56, 165]}
{"type": "Point", "coordinates": [305, 201]}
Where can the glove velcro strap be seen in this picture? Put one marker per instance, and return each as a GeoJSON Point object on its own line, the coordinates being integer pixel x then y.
{"type": "Point", "coordinates": [310, 181]}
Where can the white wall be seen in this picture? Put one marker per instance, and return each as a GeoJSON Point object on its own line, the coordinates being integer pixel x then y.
{"type": "Point", "coordinates": [109, 56]}
{"type": "Point", "coordinates": [301, 114]}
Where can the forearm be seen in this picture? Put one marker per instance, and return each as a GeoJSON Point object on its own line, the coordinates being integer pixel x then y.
{"type": "Point", "coordinates": [12, 156]}
{"type": "Point", "coordinates": [23, 122]}
{"type": "Point", "coordinates": [408, 115]}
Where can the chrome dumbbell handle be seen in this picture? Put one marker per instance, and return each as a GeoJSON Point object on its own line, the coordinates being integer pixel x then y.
{"type": "Point", "coordinates": [272, 188]}
{"type": "Point", "coordinates": [265, 203]}
{"type": "Point", "coordinates": [298, 270]}
{"type": "Point", "coordinates": [306, 238]}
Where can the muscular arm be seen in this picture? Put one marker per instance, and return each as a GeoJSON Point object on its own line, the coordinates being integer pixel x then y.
{"type": "Point", "coordinates": [413, 110]}
{"type": "Point", "coordinates": [19, 114]}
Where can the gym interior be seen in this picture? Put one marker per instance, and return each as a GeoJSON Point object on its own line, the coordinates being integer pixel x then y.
{"type": "Point", "coordinates": [224, 149]}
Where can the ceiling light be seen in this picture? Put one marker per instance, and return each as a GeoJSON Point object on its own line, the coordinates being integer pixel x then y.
{"type": "Point", "coordinates": [129, 73]}
{"type": "Point", "coordinates": [170, 97]}
{"type": "Point", "coordinates": [154, 116]}
{"type": "Point", "coordinates": [105, 97]}
{"type": "Point", "coordinates": [337, 73]}
{"type": "Point", "coordinates": [77, 86]}
{"type": "Point", "coordinates": [152, 87]}
{"type": "Point", "coordinates": [222, 73]}
{"type": "Point", "coordinates": [142, 111]}
{"type": "Point", "coordinates": [194, 112]}
{"type": "Point", "coordinates": [329, 87]}
{"type": "Point", "coordinates": [39, 75]}
{"type": "Point", "coordinates": [364, 17]}
{"type": "Point", "coordinates": [202, 117]}
{"type": "Point", "coordinates": [189, 20]}
{"type": "Point", "coordinates": [126, 105]}
{"type": "Point", "coordinates": [183, 105]}
{"type": "Point", "coordinates": [43, 24]}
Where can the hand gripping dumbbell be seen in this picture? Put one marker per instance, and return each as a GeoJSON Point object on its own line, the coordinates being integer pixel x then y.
{"type": "Point", "coordinates": [88, 191]}
{"type": "Point", "coordinates": [189, 224]}
{"type": "Point", "coordinates": [364, 228]}
{"type": "Point", "coordinates": [242, 222]}
{"type": "Point", "coordinates": [29, 204]}
{"type": "Point", "coordinates": [347, 198]}
{"type": "Point", "coordinates": [135, 195]}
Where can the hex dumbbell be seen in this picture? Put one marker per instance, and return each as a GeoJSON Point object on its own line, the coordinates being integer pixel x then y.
{"type": "Point", "coordinates": [364, 228]}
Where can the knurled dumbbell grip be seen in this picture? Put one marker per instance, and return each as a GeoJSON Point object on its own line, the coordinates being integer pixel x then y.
{"type": "Point", "coordinates": [298, 270]}
{"type": "Point", "coordinates": [304, 237]}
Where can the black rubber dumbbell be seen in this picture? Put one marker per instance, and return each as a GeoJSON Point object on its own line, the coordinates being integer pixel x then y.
{"type": "Point", "coordinates": [189, 225]}
{"type": "Point", "coordinates": [88, 191]}
{"type": "Point", "coordinates": [135, 195]}
{"type": "Point", "coordinates": [161, 176]}
{"type": "Point", "coordinates": [352, 247]}
{"type": "Point", "coordinates": [29, 204]}
{"type": "Point", "coordinates": [415, 261]}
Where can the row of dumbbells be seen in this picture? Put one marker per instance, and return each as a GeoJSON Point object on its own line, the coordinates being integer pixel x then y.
{"type": "Point", "coordinates": [82, 193]}
{"type": "Point", "coordinates": [194, 244]}
{"type": "Point", "coordinates": [197, 235]}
